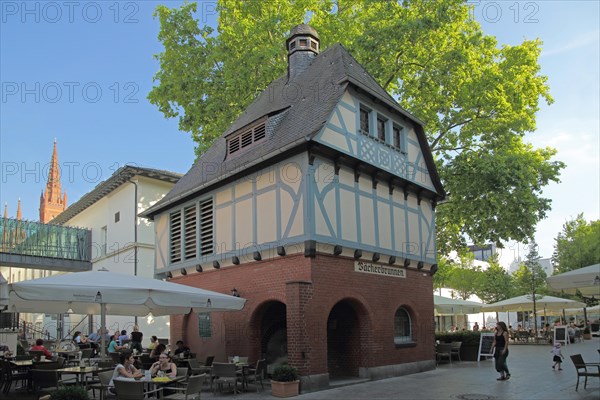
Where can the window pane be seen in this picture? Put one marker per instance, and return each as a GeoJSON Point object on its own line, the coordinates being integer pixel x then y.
{"type": "Point", "coordinates": [381, 129]}
{"type": "Point", "coordinates": [402, 327]}
{"type": "Point", "coordinates": [364, 121]}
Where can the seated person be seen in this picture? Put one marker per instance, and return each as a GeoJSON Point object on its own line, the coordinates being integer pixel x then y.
{"type": "Point", "coordinates": [123, 336]}
{"type": "Point", "coordinates": [153, 342]}
{"type": "Point", "coordinates": [80, 339]}
{"type": "Point", "coordinates": [39, 346]}
{"type": "Point", "coordinates": [181, 348]}
{"type": "Point", "coordinates": [113, 346]}
{"type": "Point", "coordinates": [125, 369]}
{"type": "Point", "coordinates": [164, 366]}
{"type": "Point", "coordinates": [157, 351]}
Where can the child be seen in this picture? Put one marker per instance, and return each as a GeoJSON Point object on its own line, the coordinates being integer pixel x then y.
{"type": "Point", "coordinates": [558, 357]}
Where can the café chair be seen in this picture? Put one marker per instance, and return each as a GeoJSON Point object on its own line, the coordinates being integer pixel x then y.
{"type": "Point", "coordinates": [134, 390]}
{"type": "Point", "coordinates": [36, 354]}
{"type": "Point", "coordinates": [257, 374]}
{"type": "Point", "coordinates": [102, 384]}
{"type": "Point", "coordinates": [224, 373]}
{"type": "Point", "coordinates": [9, 375]}
{"type": "Point", "coordinates": [45, 381]}
{"type": "Point", "coordinates": [191, 390]}
{"type": "Point", "coordinates": [196, 368]}
{"type": "Point", "coordinates": [443, 350]}
{"type": "Point", "coordinates": [455, 349]}
{"type": "Point", "coordinates": [582, 369]}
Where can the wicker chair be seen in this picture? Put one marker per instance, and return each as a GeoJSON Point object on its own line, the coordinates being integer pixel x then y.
{"type": "Point", "coordinates": [257, 374]}
{"type": "Point", "coordinates": [582, 369]}
{"type": "Point", "coordinates": [224, 373]}
{"type": "Point", "coordinates": [443, 350]}
{"type": "Point", "coordinates": [133, 390]}
{"type": "Point", "coordinates": [455, 349]}
{"type": "Point", "coordinates": [191, 390]}
{"type": "Point", "coordinates": [102, 384]}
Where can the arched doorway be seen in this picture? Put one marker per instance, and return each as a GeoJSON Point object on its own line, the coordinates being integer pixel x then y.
{"type": "Point", "coordinates": [343, 341]}
{"type": "Point", "coordinates": [273, 332]}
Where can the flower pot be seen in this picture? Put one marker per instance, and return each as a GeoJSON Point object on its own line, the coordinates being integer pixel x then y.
{"type": "Point", "coordinates": [285, 389]}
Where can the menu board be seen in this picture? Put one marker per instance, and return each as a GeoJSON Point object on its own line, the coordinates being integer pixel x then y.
{"type": "Point", "coordinates": [485, 345]}
{"type": "Point", "coordinates": [560, 335]}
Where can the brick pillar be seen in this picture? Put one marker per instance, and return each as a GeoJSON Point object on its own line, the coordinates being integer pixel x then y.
{"type": "Point", "coordinates": [298, 295]}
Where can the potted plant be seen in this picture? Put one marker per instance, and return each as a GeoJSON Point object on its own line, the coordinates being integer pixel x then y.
{"type": "Point", "coordinates": [587, 334]}
{"type": "Point", "coordinates": [284, 381]}
{"type": "Point", "coordinates": [70, 393]}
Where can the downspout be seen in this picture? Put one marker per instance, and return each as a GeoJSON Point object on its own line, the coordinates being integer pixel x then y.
{"type": "Point", "coordinates": [135, 232]}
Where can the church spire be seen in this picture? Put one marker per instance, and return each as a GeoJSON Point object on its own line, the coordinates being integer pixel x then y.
{"type": "Point", "coordinates": [5, 210]}
{"type": "Point", "coordinates": [52, 201]}
{"type": "Point", "coordinates": [19, 213]}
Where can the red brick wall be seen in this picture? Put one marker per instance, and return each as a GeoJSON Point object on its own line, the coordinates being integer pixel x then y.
{"type": "Point", "coordinates": [310, 288]}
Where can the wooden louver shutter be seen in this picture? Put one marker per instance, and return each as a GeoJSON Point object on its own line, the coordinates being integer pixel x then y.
{"type": "Point", "coordinates": [206, 227]}
{"type": "Point", "coordinates": [190, 232]}
{"type": "Point", "coordinates": [175, 231]}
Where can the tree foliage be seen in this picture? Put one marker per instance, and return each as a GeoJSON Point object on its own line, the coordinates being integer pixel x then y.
{"type": "Point", "coordinates": [478, 99]}
{"type": "Point", "coordinates": [495, 284]}
{"type": "Point", "coordinates": [530, 278]}
{"type": "Point", "coordinates": [464, 276]}
{"type": "Point", "coordinates": [577, 245]}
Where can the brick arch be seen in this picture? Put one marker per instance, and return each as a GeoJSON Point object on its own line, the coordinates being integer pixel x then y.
{"type": "Point", "coordinates": [268, 322]}
{"type": "Point", "coordinates": [348, 327]}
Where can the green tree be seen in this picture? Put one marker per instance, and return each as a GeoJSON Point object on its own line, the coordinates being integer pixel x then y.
{"type": "Point", "coordinates": [531, 277]}
{"type": "Point", "coordinates": [478, 99]}
{"type": "Point", "coordinates": [577, 245]}
{"type": "Point", "coordinates": [495, 284]}
{"type": "Point", "coordinates": [442, 276]}
{"type": "Point", "coordinates": [464, 276]}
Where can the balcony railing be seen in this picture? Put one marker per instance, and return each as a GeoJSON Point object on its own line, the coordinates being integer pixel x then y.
{"type": "Point", "coordinates": [44, 240]}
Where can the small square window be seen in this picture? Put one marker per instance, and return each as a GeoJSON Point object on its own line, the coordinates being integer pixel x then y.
{"type": "Point", "coordinates": [303, 42]}
{"type": "Point", "coordinates": [292, 44]}
{"type": "Point", "coordinates": [117, 216]}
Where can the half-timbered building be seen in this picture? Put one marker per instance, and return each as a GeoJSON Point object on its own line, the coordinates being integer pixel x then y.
{"type": "Point", "coordinates": [318, 206]}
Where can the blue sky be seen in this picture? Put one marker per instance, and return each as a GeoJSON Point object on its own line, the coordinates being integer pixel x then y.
{"type": "Point", "coordinates": [80, 72]}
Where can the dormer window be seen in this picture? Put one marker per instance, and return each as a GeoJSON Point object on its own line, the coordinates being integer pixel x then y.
{"type": "Point", "coordinates": [246, 138]}
{"type": "Point", "coordinates": [314, 45]}
{"type": "Point", "coordinates": [292, 45]}
{"type": "Point", "coordinates": [303, 42]}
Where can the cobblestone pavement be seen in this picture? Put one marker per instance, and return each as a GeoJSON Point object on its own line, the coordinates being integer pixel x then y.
{"type": "Point", "coordinates": [532, 378]}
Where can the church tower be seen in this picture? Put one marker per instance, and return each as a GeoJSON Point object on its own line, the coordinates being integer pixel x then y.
{"type": "Point", "coordinates": [52, 201]}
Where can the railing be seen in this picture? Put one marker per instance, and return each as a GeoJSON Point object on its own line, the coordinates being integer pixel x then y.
{"type": "Point", "coordinates": [44, 240]}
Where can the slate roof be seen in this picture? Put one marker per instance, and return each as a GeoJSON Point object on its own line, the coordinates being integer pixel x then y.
{"type": "Point", "coordinates": [119, 177]}
{"type": "Point", "coordinates": [301, 112]}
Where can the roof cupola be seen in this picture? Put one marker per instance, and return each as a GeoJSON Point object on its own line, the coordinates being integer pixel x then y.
{"type": "Point", "coordinates": [303, 47]}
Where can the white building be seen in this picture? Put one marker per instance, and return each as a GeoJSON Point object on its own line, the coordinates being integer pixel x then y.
{"type": "Point", "coordinates": [122, 242]}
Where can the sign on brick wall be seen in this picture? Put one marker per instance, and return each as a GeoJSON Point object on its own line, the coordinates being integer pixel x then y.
{"type": "Point", "coordinates": [379, 269]}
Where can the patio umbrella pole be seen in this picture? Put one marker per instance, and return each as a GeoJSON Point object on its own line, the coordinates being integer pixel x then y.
{"type": "Point", "coordinates": [102, 332]}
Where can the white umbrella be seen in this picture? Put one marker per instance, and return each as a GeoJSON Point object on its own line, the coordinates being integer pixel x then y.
{"type": "Point", "coordinates": [447, 306]}
{"type": "Point", "coordinates": [586, 280]}
{"type": "Point", "coordinates": [525, 303]}
{"type": "Point", "coordinates": [106, 293]}
{"type": "Point", "coordinates": [3, 292]}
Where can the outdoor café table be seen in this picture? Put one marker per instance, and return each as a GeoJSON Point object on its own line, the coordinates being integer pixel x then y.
{"type": "Point", "coordinates": [156, 382]}
{"type": "Point", "coordinates": [29, 363]}
{"type": "Point", "coordinates": [81, 372]}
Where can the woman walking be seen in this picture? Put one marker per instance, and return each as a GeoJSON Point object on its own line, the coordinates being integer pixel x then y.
{"type": "Point", "coordinates": [500, 347]}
